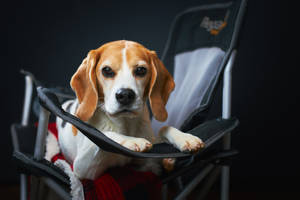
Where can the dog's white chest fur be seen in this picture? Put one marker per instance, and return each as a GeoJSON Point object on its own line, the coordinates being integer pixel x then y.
{"type": "Point", "coordinates": [88, 160]}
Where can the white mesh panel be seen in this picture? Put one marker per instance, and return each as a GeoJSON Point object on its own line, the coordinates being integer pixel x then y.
{"type": "Point", "coordinates": [193, 73]}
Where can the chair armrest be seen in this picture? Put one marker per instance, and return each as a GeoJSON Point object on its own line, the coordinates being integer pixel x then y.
{"type": "Point", "coordinates": [212, 130]}
{"type": "Point", "coordinates": [28, 165]}
{"type": "Point", "coordinates": [209, 131]}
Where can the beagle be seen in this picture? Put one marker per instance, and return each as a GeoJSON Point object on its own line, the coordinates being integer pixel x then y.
{"type": "Point", "coordinates": [112, 85]}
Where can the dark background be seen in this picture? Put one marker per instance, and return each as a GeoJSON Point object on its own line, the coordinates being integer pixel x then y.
{"type": "Point", "coordinates": [50, 39]}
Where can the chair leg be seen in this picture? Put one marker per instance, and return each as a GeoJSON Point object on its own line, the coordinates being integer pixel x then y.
{"type": "Point", "coordinates": [225, 183]}
{"type": "Point", "coordinates": [225, 170]}
{"type": "Point", "coordinates": [207, 185]}
{"type": "Point", "coordinates": [42, 190]}
{"type": "Point", "coordinates": [226, 114]}
{"type": "Point", "coordinates": [34, 188]}
{"type": "Point", "coordinates": [23, 187]}
{"type": "Point", "coordinates": [38, 189]}
{"type": "Point", "coordinates": [192, 184]}
{"type": "Point", "coordinates": [165, 192]}
{"type": "Point", "coordinates": [179, 183]}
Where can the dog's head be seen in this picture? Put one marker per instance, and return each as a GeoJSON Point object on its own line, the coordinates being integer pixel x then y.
{"type": "Point", "coordinates": [120, 76]}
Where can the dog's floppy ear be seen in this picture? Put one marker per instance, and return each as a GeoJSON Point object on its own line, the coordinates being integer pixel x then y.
{"type": "Point", "coordinates": [161, 85]}
{"type": "Point", "coordinates": [84, 83]}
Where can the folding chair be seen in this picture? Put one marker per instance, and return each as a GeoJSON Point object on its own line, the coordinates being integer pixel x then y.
{"type": "Point", "coordinates": [200, 51]}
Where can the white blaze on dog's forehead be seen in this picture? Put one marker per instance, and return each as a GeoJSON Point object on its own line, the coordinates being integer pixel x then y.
{"type": "Point", "coordinates": [141, 62]}
{"type": "Point", "coordinates": [106, 63]}
{"type": "Point", "coordinates": [126, 79]}
{"type": "Point", "coordinates": [124, 57]}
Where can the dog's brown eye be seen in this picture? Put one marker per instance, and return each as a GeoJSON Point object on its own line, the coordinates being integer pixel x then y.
{"type": "Point", "coordinates": [108, 72]}
{"type": "Point", "coordinates": [140, 71]}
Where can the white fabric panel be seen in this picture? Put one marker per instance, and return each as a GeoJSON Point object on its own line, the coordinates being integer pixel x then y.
{"type": "Point", "coordinates": [193, 73]}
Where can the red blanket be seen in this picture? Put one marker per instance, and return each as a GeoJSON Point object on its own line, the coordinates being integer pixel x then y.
{"type": "Point", "coordinates": [118, 183]}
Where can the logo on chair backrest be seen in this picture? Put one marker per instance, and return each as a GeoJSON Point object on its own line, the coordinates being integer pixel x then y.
{"type": "Point", "coordinates": [214, 26]}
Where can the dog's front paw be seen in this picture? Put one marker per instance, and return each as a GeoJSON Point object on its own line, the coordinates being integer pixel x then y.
{"type": "Point", "coordinates": [187, 142]}
{"type": "Point", "coordinates": [137, 144]}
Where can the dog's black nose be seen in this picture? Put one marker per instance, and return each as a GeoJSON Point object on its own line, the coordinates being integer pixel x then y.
{"type": "Point", "coordinates": [125, 96]}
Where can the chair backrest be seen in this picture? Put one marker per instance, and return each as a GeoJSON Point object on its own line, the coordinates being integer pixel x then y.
{"type": "Point", "coordinates": [199, 45]}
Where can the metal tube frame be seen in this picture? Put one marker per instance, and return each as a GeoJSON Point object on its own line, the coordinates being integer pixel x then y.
{"type": "Point", "coordinates": [226, 114]}
{"type": "Point", "coordinates": [41, 134]}
{"type": "Point", "coordinates": [24, 122]}
{"type": "Point", "coordinates": [164, 195]}
{"type": "Point", "coordinates": [207, 185]}
{"type": "Point", "coordinates": [39, 149]}
{"type": "Point", "coordinates": [27, 100]}
{"type": "Point", "coordinates": [23, 187]}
